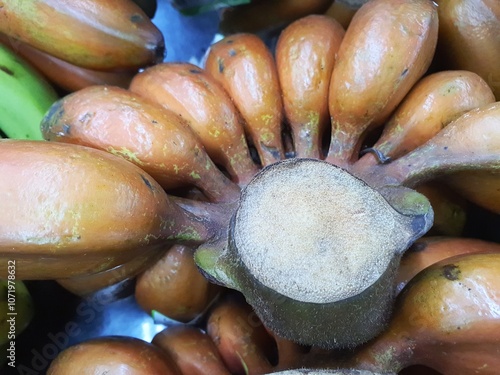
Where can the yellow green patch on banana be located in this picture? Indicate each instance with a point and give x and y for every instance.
(25, 96)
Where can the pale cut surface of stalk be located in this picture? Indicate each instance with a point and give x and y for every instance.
(314, 250)
(326, 209)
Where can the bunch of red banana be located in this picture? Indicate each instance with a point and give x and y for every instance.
(437, 328)
(203, 123)
(80, 43)
(202, 134)
(469, 30)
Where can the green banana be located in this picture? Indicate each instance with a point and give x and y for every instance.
(25, 96)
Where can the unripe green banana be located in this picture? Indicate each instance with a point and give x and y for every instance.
(25, 96)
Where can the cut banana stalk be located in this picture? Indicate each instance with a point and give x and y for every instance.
(293, 251)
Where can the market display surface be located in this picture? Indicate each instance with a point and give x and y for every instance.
(298, 201)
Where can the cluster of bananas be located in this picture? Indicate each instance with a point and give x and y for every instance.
(37, 66)
(218, 126)
(38, 62)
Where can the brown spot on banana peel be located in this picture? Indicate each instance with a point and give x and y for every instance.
(451, 272)
(417, 247)
(6, 70)
(136, 18)
(52, 117)
(147, 182)
(220, 63)
(353, 4)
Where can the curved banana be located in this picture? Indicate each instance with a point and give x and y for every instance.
(94, 34)
(25, 96)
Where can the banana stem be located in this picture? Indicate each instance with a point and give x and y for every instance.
(218, 188)
(242, 170)
(415, 168)
(200, 221)
(345, 143)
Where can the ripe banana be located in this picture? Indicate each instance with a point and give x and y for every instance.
(62, 74)
(94, 34)
(25, 96)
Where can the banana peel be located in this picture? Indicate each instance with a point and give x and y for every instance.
(94, 34)
(25, 96)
